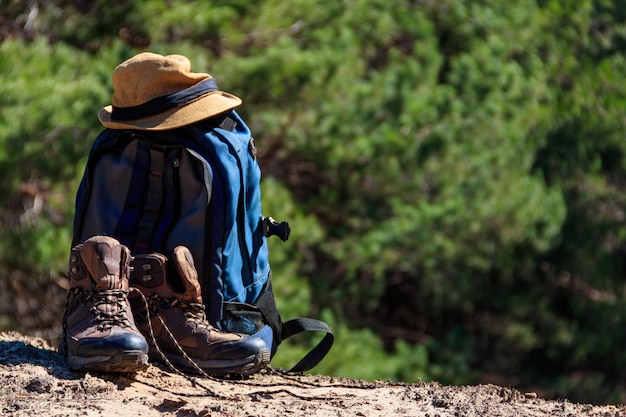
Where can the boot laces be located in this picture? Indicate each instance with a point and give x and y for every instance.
(109, 306)
(195, 312)
(104, 320)
(192, 311)
(115, 314)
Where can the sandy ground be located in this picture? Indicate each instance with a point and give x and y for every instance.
(35, 381)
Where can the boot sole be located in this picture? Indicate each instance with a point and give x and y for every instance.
(125, 361)
(244, 366)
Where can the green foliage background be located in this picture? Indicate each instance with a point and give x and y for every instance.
(453, 171)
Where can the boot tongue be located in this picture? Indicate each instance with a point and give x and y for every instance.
(188, 275)
(106, 260)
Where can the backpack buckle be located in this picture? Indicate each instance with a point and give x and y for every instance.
(271, 227)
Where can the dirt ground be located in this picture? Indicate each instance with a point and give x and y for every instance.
(35, 381)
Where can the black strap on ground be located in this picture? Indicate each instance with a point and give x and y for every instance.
(315, 356)
(282, 330)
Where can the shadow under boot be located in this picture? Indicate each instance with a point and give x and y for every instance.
(179, 323)
(99, 329)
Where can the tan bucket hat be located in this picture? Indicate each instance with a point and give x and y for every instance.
(156, 92)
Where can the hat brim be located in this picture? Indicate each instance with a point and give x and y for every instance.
(204, 107)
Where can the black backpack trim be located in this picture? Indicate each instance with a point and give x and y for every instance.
(250, 318)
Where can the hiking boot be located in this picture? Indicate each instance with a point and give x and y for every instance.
(178, 320)
(100, 332)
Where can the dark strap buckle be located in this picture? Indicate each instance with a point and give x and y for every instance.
(272, 228)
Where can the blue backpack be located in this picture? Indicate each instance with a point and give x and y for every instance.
(197, 186)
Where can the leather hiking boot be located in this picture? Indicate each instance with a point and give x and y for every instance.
(100, 331)
(179, 323)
